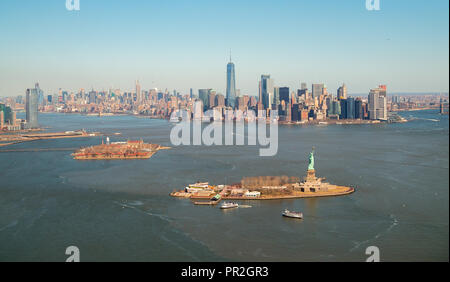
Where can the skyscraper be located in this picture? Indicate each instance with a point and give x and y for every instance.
(32, 107)
(343, 104)
(317, 90)
(284, 94)
(231, 85)
(303, 86)
(266, 91)
(211, 100)
(92, 97)
(220, 100)
(40, 94)
(276, 96)
(351, 108)
(359, 109)
(138, 92)
(203, 94)
(378, 103)
(342, 92)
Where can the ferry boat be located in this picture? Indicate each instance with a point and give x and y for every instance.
(225, 206)
(290, 214)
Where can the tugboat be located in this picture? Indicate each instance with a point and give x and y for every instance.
(290, 214)
(225, 206)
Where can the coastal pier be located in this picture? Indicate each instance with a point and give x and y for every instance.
(11, 139)
(37, 150)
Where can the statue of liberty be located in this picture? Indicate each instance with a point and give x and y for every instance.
(311, 160)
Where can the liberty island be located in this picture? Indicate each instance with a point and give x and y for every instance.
(266, 188)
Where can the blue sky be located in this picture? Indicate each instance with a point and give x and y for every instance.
(179, 44)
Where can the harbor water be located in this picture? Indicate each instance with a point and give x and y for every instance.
(122, 211)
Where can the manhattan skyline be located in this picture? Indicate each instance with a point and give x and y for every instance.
(182, 45)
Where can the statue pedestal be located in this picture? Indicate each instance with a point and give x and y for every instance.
(311, 176)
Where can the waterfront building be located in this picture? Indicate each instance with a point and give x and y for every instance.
(32, 107)
(365, 111)
(335, 109)
(14, 119)
(350, 108)
(382, 108)
(359, 109)
(231, 85)
(373, 104)
(343, 104)
(288, 112)
(378, 103)
(304, 115)
(296, 108)
(6, 114)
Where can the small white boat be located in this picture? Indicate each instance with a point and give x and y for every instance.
(229, 206)
(290, 214)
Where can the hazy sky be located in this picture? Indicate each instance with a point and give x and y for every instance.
(179, 44)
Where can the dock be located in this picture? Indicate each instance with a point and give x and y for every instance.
(11, 139)
(206, 203)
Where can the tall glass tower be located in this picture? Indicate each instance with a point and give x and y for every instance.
(32, 106)
(231, 85)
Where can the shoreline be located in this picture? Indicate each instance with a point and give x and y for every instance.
(300, 195)
(341, 191)
(309, 122)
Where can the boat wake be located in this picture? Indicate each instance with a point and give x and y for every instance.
(12, 224)
(134, 205)
(427, 119)
(391, 226)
